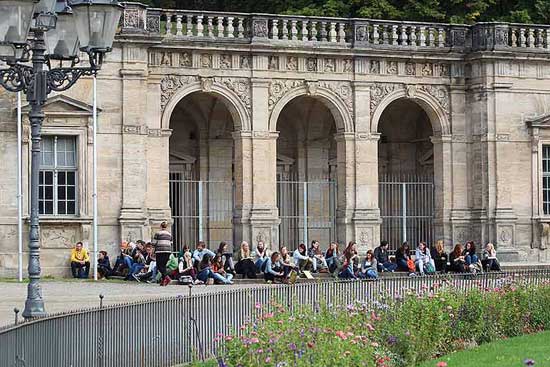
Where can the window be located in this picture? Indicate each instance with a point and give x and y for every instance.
(57, 186)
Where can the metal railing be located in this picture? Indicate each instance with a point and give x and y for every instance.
(167, 332)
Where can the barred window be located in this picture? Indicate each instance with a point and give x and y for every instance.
(58, 186)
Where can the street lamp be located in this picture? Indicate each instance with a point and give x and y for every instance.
(59, 31)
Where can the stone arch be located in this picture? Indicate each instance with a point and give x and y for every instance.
(239, 112)
(336, 105)
(436, 113)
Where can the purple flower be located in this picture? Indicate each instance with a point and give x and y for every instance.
(292, 346)
(529, 362)
(221, 363)
(392, 340)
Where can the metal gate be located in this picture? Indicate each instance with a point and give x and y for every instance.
(407, 211)
(201, 211)
(307, 211)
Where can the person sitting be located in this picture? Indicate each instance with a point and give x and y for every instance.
(218, 268)
(351, 252)
(185, 266)
(456, 259)
(199, 253)
(403, 258)
(245, 266)
(207, 275)
(104, 265)
(172, 266)
(347, 271)
(227, 258)
(473, 263)
(316, 256)
(381, 255)
(260, 255)
(123, 262)
(274, 269)
(301, 260)
(138, 261)
(489, 255)
(287, 262)
(440, 257)
(80, 261)
(148, 271)
(331, 257)
(369, 269)
(423, 259)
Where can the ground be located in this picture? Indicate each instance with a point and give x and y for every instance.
(65, 295)
(504, 353)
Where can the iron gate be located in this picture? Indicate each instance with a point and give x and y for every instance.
(307, 211)
(201, 211)
(407, 211)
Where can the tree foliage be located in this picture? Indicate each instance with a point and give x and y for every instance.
(453, 11)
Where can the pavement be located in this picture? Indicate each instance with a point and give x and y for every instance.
(67, 295)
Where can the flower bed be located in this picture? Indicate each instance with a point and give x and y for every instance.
(402, 330)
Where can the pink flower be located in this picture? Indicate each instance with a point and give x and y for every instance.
(374, 344)
(258, 305)
(441, 364)
(229, 337)
(267, 359)
(268, 315)
(370, 327)
(254, 340)
(341, 335)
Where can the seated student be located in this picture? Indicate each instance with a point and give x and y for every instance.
(490, 261)
(207, 275)
(301, 260)
(369, 269)
(331, 256)
(199, 253)
(227, 258)
(456, 259)
(172, 265)
(403, 258)
(287, 262)
(423, 259)
(148, 271)
(260, 255)
(351, 252)
(470, 256)
(185, 266)
(273, 269)
(123, 261)
(138, 260)
(439, 256)
(245, 265)
(80, 261)
(347, 271)
(382, 256)
(316, 256)
(218, 268)
(104, 265)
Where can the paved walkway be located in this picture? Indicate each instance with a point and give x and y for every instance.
(69, 295)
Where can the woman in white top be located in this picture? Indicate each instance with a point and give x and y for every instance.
(489, 258)
(423, 259)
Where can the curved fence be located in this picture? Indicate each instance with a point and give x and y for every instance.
(168, 332)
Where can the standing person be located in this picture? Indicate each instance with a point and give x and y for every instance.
(382, 256)
(245, 265)
(80, 261)
(331, 257)
(317, 257)
(490, 261)
(424, 260)
(162, 241)
(440, 257)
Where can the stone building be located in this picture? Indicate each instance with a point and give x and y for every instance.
(287, 129)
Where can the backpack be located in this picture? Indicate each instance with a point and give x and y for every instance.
(429, 268)
(185, 280)
(411, 266)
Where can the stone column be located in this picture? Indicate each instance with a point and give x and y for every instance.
(242, 204)
(442, 186)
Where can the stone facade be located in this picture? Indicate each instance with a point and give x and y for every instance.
(253, 99)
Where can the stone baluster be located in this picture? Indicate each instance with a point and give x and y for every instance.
(313, 30)
(531, 38)
(394, 36)
(200, 27)
(274, 29)
(209, 27)
(522, 39)
(323, 31)
(189, 30)
(168, 24)
(422, 36)
(284, 23)
(219, 29)
(540, 40)
(403, 35)
(547, 40)
(332, 32)
(431, 36)
(293, 30)
(385, 39)
(440, 37)
(304, 31)
(375, 34)
(240, 28)
(179, 25)
(514, 38)
(341, 32)
(230, 28)
(412, 36)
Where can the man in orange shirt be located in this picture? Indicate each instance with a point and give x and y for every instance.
(80, 261)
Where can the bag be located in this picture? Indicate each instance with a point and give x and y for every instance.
(185, 280)
(429, 268)
(411, 266)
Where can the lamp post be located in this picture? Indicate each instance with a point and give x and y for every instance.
(59, 31)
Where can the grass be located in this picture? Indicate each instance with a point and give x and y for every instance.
(503, 353)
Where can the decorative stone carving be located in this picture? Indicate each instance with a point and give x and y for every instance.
(311, 87)
(330, 65)
(410, 68)
(427, 69)
(361, 33)
(206, 61)
(505, 236)
(170, 84)
(348, 65)
(411, 91)
(153, 23)
(245, 62)
(342, 89)
(206, 84)
(311, 64)
(501, 37)
(365, 239)
(379, 91)
(133, 18)
(273, 63)
(185, 60)
(292, 63)
(241, 87)
(391, 67)
(374, 67)
(444, 70)
(225, 61)
(278, 88)
(259, 28)
(440, 93)
(166, 59)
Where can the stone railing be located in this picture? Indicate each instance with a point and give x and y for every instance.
(175, 24)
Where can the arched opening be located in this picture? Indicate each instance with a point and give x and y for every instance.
(201, 170)
(406, 173)
(306, 172)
